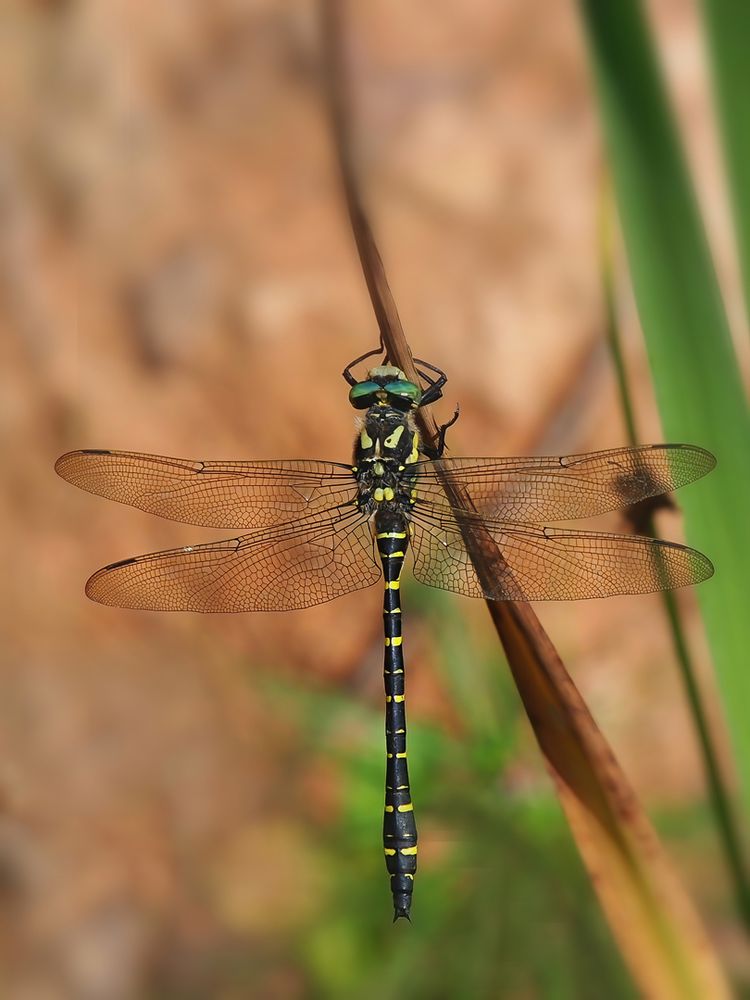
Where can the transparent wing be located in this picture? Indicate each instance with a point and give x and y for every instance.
(545, 564)
(295, 566)
(535, 490)
(211, 494)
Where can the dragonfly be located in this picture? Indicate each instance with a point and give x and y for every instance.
(316, 530)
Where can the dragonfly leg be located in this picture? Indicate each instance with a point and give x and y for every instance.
(434, 389)
(347, 372)
(439, 448)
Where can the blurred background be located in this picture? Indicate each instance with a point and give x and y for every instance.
(191, 804)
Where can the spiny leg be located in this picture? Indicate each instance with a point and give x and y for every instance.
(435, 385)
(399, 826)
(347, 372)
(439, 448)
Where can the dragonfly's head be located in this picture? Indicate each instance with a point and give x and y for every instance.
(385, 386)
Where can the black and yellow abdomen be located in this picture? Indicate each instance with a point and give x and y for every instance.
(399, 826)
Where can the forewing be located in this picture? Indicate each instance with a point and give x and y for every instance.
(296, 566)
(211, 494)
(536, 490)
(545, 564)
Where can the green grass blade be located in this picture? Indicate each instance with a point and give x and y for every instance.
(697, 381)
(728, 30)
(719, 797)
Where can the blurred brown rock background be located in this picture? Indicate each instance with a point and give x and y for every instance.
(177, 277)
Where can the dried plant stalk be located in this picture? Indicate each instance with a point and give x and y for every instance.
(654, 923)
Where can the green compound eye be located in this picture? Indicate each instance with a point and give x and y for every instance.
(363, 395)
(403, 395)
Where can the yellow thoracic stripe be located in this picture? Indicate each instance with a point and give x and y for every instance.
(365, 439)
(392, 440)
(414, 455)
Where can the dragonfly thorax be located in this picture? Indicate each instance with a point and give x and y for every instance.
(386, 448)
